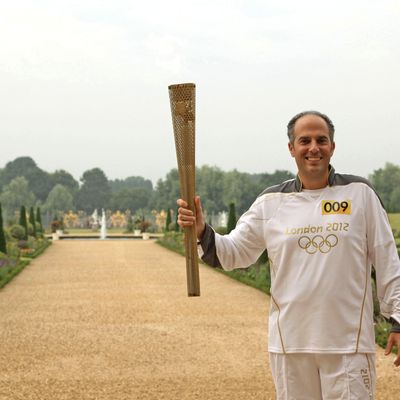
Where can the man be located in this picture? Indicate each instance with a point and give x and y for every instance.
(323, 232)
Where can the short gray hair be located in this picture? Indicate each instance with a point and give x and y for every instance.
(292, 122)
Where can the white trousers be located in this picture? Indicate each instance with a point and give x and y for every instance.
(323, 376)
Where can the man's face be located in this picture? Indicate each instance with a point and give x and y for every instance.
(312, 147)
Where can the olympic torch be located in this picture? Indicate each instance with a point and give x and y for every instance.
(182, 99)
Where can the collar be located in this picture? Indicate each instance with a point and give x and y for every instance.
(299, 184)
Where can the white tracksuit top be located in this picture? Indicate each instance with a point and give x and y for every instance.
(321, 245)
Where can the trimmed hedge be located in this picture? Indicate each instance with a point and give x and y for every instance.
(12, 266)
(8, 273)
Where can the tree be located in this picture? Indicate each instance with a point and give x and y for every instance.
(231, 218)
(61, 177)
(39, 181)
(39, 220)
(168, 220)
(210, 187)
(32, 221)
(239, 188)
(59, 199)
(23, 222)
(3, 243)
(130, 199)
(177, 227)
(95, 191)
(394, 201)
(166, 192)
(16, 193)
(265, 179)
(131, 182)
(386, 180)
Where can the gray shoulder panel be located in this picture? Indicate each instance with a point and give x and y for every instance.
(284, 187)
(345, 179)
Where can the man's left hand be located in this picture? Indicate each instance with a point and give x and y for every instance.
(393, 340)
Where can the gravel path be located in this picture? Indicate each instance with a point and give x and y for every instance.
(111, 320)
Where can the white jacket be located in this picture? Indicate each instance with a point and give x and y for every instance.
(321, 245)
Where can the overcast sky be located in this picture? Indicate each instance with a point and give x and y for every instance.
(83, 83)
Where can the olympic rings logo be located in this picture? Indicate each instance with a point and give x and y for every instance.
(318, 243)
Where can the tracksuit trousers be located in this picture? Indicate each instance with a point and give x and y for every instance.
(310, 376)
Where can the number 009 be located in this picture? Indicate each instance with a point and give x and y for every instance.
(336, 207)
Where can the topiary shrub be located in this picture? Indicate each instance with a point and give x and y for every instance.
(23, 244)
(23, 222)
(17, 232)
(172, 226)
(3, 260)
(32, 222)
(31, 231)
(39, 226)
(168, 221)
(12, 249)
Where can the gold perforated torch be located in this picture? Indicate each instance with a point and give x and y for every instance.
(182, 99)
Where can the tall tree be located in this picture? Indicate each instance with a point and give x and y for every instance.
(231, 218)
(39, 181)
(16, 193)
(39, 220)
(130, 199)
(167, 191)
(59, 199)
(168, 220)
(131, 182)
(210, 187)
(386, 182)
(32, 221)
(23, 222)
(3, 243)
(177, 227)
(239, 189)
(61, 177)
(95, 191)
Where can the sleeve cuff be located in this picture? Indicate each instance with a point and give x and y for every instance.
(395, 326)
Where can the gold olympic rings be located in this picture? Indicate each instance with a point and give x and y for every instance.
(318, 242)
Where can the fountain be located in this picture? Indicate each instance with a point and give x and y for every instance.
(94, 220)
(103, 233)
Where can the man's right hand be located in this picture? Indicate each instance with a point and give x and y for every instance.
(186, 217)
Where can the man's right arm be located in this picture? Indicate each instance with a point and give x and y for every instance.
(241, 248)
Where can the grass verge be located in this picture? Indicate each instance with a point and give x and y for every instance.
(39, 251)
(8, 273)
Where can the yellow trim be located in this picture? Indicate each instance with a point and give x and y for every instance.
(362, 309)
(371, 387)
(279, 327)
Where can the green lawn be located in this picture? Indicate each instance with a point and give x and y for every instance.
(394, 220)
(73, 231)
